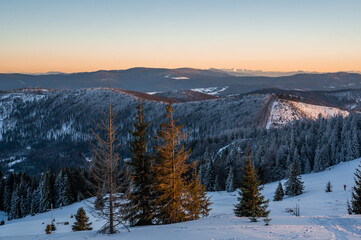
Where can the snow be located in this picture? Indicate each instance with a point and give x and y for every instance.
(285, 111)
(7, 102)
(176, 78)
(16, 161)
(323, 216)
(211, 90)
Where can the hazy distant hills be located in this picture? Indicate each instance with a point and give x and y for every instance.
(161, 79)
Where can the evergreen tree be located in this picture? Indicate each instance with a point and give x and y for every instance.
(279, 193)
(2, 186)
(63, 190)
(35, 199)
(294, 185)
(141, 199)
(210, 177)
(198, 204)
(82, 221)
(217, 184)
(15, 205)
(328, 187)
(251, 201)
(356, 193)
(230, 183)
(46, 192)
(169, 170)
(106, 172)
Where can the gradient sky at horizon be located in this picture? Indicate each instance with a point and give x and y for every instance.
(270, 35)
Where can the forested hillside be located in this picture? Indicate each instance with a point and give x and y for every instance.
(43, 129)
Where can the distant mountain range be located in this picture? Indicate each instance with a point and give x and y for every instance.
(161, 79)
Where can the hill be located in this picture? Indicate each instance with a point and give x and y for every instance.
(161, 79)
(49, 128)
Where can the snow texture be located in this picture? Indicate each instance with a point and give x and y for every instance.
(323, 216)
(285, 111)
(211, 90)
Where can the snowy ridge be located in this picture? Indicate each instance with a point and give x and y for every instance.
(323, 216)
(211, 90)
(285, 111)
(8, 103)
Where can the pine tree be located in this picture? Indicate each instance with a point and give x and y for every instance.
(349, 208)
(328, 187)
(170, 167)
(210, 176)
(198, 204)
(141, 199)
(46, 192)
(251, 201)
(2, 186)
(34, 204)
(294, 185)
(48, 229)
(279, 193)
(106, 171)
(356, 193)
(63, 190)
(217, 185)
(15, 205)
(82, 221)
(230, 183)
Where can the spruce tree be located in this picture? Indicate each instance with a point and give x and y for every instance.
(169, 169)
(328, 187)
(294, 185)
(230, 182)
(106, 171)
(198, 204)
(279, 193)
(82, 221)
(15, 205)
(141, 200)
(251, 201)
(2, 186)
(46, 192)
(210, 176)
(356, 193)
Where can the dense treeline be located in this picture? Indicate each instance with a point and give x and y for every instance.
(21, 194)
(62, 119)
(313, 145)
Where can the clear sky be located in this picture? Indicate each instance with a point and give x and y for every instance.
(88, 35)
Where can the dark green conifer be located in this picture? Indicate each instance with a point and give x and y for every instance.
(328, 187)
(82, 221)
(251, 201)
(356, 193)
(294, 185)
(169, 171)
(279, 193)
(141, 202)
(198, 204)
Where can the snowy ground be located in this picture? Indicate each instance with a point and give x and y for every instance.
(285, 111)
(323, 216)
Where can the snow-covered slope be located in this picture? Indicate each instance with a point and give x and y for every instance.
(285, 111)
(323, 216)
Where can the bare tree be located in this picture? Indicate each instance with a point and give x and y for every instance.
(108, 180)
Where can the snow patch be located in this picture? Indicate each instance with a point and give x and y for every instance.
(285, 111)
(211, 90)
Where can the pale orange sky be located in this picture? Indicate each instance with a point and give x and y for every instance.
(41, 36)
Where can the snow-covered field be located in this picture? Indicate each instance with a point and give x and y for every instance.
(285, 111)
(211, 90)
(323, 216)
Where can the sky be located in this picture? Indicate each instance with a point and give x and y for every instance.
(270, 35)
